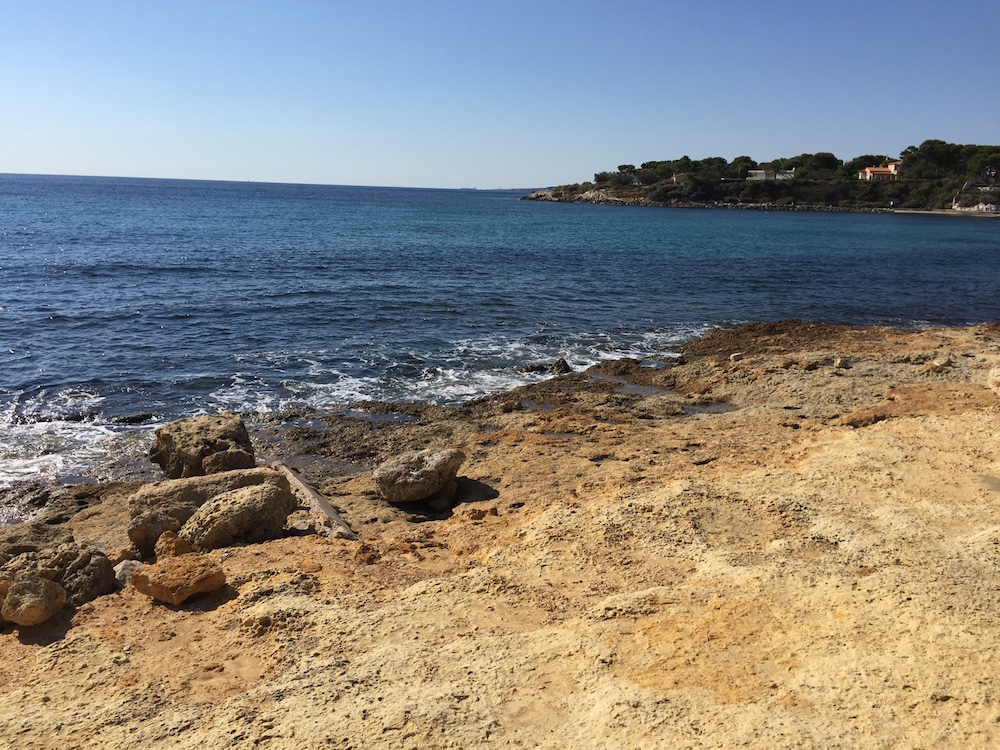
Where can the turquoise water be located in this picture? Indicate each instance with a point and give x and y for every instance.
(126, 297)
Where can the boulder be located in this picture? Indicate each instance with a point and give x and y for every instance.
(32, 599)
(42, 551)
(418, 475)
(177, 578)
(166, 506)
(249, 514)
(196, 446)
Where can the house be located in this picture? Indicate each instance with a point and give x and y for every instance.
(881, 174)
(770, 174)
(680, 179)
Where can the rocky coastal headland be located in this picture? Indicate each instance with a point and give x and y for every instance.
(786, 536)
(620, 197)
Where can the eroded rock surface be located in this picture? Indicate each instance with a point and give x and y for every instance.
(196, 446)
(418, 475)
(166, 506)
(176, 579)
(31, 599)
(247, 515)
(40, 551)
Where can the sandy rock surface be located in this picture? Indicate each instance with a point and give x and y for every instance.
(795, 547)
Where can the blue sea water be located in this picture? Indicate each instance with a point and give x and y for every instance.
(126, 296)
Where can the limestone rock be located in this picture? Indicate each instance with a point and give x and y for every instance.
(85, 574)
(559, 367)
(121, 554)
(195, 446)
(177, 578)
(166, 506)
(30, 537)
(417, 475)
(124, 571)
(249, 514)
(51, 553)
(171, 545)
(32, 599)
(993, 380)
(939, 365)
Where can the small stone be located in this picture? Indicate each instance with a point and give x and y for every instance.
(841, 363)
(993, 380)
(439, 504)
(938, 365)
(128, 552)
(124, 571)
(736, 356)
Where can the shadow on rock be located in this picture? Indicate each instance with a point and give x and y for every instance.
(467, 491)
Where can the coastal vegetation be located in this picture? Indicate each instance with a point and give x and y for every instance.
(933, 175)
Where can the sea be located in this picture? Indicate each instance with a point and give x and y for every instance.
(126, 303)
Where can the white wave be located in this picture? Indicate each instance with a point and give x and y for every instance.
(47, 450)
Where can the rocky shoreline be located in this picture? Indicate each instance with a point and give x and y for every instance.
(787, 536)
(604, 198)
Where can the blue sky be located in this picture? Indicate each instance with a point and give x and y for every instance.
(481, 94)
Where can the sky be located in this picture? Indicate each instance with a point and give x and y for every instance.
(483, 94)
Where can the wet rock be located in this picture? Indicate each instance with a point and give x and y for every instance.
(166, 506)
(417, 475)
(32, 599)
(249, 514)
(196, 446)
(176, 579)
(559, 367)
(171, 545)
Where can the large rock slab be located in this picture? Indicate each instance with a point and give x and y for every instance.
(417, 475)
(195, 446)
(166, 506)
(247, 515)
(176, 579)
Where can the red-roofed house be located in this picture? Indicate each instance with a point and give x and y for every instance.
(881, 173)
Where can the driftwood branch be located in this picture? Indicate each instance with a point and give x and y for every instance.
(319, 504)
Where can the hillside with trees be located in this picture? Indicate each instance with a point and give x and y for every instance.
(933, 175)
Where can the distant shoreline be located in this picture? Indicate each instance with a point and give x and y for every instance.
(603, 198)
(947, 212)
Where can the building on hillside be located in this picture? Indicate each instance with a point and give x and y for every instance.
(770, 174)
(680, 179)
(881, 174)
